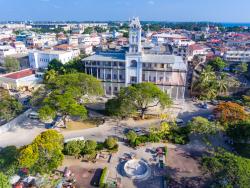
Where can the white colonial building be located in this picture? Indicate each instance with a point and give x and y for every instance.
(41, 59)
(117, 70)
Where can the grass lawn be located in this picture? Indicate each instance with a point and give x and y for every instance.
(77, 125)
(243, 149)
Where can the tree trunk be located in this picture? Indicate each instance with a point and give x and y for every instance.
(143, 110)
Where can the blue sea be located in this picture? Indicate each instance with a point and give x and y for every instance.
(235, 24)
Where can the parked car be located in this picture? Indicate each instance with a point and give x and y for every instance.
(203, 105)
(33, 115)
(214, 102)
(179, 121)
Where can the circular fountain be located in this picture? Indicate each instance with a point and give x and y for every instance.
(137, 169)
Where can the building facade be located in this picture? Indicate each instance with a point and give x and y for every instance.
(237, 56)
(41, 59)
(117, 70)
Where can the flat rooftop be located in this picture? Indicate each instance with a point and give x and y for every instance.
(106, 57)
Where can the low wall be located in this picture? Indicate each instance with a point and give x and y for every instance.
(12, 124)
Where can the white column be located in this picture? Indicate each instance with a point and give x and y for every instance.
(111, 73)
(164, 77)
(104, 75)
(148, 75)
(118, 75)
(156, 77)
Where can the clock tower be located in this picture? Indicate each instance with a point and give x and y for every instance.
(135, 36)
(134, 55)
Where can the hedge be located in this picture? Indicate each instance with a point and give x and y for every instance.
(102, 178)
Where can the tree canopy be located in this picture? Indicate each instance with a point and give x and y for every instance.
(242, 67)
(56, 65)
(217, 64)
(11, 64)
(211, 84)
(110, 142)
(8, 160)
(4, 181)
(201, 125)
(9, 106)
(68, 93)
(44, 154)
(229, 112)
(74, 148)
(139, 97)
(228, 170)
(240, 132)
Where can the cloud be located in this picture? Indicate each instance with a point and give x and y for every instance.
(151, 2)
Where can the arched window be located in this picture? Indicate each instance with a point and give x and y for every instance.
(133, 63)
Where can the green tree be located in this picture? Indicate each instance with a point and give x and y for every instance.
(118, 107)
(206, 85)
(74, 147)
(88, 30)
(28, 156)
(4, 181)
(8, 160)
(201, 125)
(46, 113)
(11, 64)
(38, 96)
(89, 147)
(217, 64)
(110, 142)
(242, 67)
(56, 65)
(143, 96)
(9, 106)
(228, 170)
(50, 75)
(69, 92)
(131, 136)
(240, 132)
(44, 154)
(63, 103)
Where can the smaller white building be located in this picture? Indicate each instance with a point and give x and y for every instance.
(41, 59)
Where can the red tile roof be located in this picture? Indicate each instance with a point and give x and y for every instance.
(20, 74)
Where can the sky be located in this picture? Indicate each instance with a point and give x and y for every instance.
(120, 10)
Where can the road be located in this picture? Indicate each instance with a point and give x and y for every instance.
(24, 133)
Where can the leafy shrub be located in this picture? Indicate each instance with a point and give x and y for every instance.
(74, 148)
(110, 142)
(90, 147)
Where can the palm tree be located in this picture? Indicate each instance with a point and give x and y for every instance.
(207, 76)
(222, 85)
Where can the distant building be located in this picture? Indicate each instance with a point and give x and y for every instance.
(117, 70)
(5, 51)
(237, 56)
(41, 59)
(22, 80)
